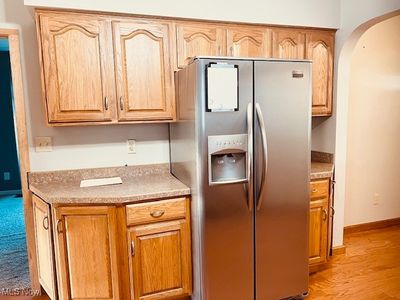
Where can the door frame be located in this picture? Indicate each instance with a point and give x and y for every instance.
(23, 148)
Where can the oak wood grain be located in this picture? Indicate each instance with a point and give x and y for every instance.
(248, 42)
(288, 43)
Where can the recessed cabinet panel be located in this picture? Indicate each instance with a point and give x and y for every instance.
(75, 68)
(199, 39)
(86, 252)
(248, 42)
(144, 73)
(44, 246)
(320, 50)
(288, 44)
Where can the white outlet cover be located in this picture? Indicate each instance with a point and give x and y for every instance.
(43, 144)
(131, 144)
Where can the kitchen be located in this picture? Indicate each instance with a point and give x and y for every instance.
(104, 141)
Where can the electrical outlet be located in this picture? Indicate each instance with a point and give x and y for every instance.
(377, 199)
(43, 144)
(131, 146)
(6, 176)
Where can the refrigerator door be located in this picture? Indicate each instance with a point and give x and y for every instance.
(227, 245)
(282, 168)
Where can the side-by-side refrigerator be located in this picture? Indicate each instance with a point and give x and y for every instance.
(242, 144)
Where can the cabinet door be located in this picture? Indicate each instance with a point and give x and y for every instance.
(199, 39)
(78, 76)
(161, 261)
(248, 42)
(144, 71)
(288, 44)
(44, 246)
(320, 51)
(86, 252)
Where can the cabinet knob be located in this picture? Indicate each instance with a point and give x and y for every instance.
(157, 213)
(314, 190)
(106, 103)
(121, 103)
(45, 222)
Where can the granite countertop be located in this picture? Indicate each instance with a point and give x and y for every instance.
(321, 170)
(139, 183)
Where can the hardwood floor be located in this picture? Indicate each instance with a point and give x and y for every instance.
(369, 270)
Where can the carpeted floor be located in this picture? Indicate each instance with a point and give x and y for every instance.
(14, 271)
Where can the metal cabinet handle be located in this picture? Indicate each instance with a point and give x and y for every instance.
(249, 156)
(219, 50)
(59, 226)
(157, 213)
(324, 214)
(332, 209)
(231, 50)
(45, 222)
(106, 103)
(133, 248)
(121, 103)
(261, 124)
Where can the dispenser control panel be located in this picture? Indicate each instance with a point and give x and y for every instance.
(227, 159)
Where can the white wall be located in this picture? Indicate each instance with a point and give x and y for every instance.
(356, 17)
(305, 12)
(373, 161)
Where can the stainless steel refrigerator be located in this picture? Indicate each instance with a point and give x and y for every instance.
(242, 144)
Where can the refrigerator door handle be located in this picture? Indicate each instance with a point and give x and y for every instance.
(249, 186)
(264, 143)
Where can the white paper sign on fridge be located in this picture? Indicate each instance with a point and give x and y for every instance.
(222, 88)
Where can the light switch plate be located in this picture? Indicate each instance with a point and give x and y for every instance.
(131, 146)
(43, 144)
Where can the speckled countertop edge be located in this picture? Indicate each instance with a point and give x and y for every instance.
(321, 170)
(140, 183)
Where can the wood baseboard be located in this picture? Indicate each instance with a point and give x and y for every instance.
(338, 250)
(371, 225)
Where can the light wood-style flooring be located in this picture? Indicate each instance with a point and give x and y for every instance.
(370, 269)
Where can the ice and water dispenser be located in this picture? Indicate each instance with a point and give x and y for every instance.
(227, 158)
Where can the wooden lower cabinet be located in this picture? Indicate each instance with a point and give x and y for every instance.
(160, 262)
(319, 226)
(86, 252)
(44, 246)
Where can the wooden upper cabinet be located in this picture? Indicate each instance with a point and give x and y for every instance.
(44, 246)
(320, 50)
(288, 44)
(75, 70)
(86, 252)
(199, 39)
(248, 42)
(142, 53)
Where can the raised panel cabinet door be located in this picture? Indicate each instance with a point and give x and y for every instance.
(44, 246)
(144, 71)
(76, 69)
(248, 42)
(160, 260)
(86, 252)
(288, 44)
(199, 39)
(320, 51)
(318, 231)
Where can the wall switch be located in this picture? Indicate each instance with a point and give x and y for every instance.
(6, 176)
(43, 144)
(377, 199)
(131, 146)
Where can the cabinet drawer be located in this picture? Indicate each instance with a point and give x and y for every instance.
(319, 189)
(156, 211)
